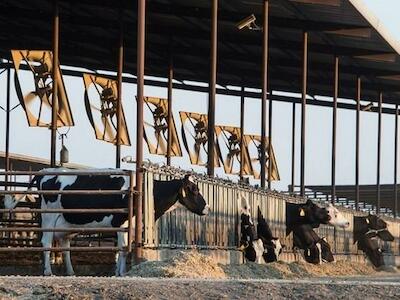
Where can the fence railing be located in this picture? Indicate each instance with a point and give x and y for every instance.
(221, 228)
(129, 191)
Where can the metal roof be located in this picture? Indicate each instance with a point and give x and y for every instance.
(89, 38)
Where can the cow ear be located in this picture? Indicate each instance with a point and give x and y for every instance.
(302, 213)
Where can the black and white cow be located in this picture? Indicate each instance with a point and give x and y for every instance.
(272, 245)
(316, 250)
(258, 245)
(302, 219)
(168, 195)
(366, 232)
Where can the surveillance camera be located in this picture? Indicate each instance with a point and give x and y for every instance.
(248, 22)
(128, 159)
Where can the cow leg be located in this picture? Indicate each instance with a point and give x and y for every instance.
(66, 242)
(121, 260)
(47, 241)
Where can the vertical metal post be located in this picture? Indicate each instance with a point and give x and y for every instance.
(212, 87)
(270, 141)
(263, 158)
(396, 144)
(358, 143)
(139, 126)
(334, 122)
(303, 113)
(8, 112)
(130, 209)
(378, 159)
(170, 87)
(293, 146)
(119, 82)
(241, 133)
(54, 104)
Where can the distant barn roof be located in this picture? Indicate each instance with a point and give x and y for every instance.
(89, 38)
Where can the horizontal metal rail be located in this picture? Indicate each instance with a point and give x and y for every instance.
(71, 230)
(67, 192)
(64, 210)
(56, 249)
(67, 173)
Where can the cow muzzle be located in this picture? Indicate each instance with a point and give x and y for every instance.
(206, 210)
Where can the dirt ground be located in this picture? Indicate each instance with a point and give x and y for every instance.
(176, 288)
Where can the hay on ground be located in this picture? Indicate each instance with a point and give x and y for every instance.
(192, 264)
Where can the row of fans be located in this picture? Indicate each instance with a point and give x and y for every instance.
(101, 98)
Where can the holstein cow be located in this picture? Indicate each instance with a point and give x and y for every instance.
(258, 246)
(366, 232)
(168, 195)
(302, 219)
(316, 249)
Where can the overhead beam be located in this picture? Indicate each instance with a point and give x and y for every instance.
(336, 3)
(353, 32)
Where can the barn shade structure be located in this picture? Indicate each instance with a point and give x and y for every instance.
(333, 48)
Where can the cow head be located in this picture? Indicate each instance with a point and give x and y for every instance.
(336, 217)
(313, 214)
(378, 227)
(190, 197)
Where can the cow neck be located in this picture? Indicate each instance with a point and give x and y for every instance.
(165, 195)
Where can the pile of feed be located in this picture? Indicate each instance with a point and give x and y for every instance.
(192, 264)
(184, 265)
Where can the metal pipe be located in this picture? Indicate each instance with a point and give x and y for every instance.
(56, 249)
(139, 127)
(119, 82)
(334, 125)
(170, 87)
(378, 160)
(130, 210)
(8, 112)
(54, 104)
(358, 143)
(303, 113)
(264, 92)
(242, 98)
(212, 88)
(270, 143)
(396, 143)
(66, 173)
(65, 210)
(69, 229)
(293, 146)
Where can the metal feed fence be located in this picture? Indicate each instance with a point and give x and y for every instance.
(128, 210)
(221, 228)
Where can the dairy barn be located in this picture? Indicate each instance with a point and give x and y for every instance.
(245, 141)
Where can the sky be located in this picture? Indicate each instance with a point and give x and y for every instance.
(86, 150)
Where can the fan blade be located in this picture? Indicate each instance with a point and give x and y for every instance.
(107, 129)
(92, 106)
(30, 97)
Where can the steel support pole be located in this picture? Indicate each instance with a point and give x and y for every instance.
(378, 159)
(8, 112)
(119, 81)
(170, 123)
(358, 143)
(54, 104)
(263, 158)
(139, 127)
(303, 113)
(212, 88)
(293, 147)
(334, 125)
(396, 149)
(241, 133)
(270, 142)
